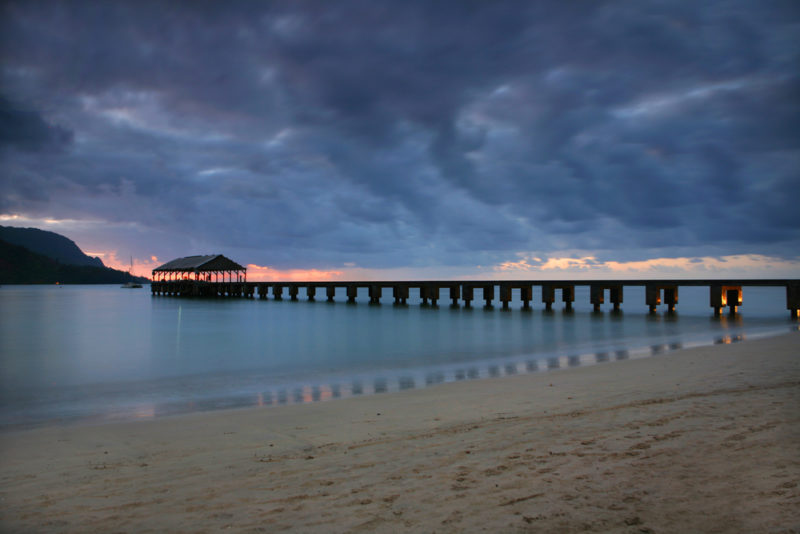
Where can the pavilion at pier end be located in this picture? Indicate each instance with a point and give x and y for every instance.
(211, 268)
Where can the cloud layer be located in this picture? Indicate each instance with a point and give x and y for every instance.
(311, 135)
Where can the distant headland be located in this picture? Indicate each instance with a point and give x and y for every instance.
(33, 256)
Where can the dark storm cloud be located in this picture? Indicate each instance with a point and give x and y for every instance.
(27, 130)
(410, 133)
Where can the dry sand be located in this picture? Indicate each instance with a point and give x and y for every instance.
(700, 440)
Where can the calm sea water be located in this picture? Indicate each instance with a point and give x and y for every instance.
(94, 353)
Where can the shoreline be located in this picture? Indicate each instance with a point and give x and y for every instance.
(392, 381)
(703, 440)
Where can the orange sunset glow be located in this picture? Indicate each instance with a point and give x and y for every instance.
(590, 266)
(260, 273)
(141, 266)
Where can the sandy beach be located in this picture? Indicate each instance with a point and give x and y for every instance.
(699, 440)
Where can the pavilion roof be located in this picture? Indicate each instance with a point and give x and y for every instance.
(213, 262)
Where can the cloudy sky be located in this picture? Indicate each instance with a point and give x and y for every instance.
(409, 139)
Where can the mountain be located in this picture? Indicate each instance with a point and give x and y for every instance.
(49, 244)
(20, 264)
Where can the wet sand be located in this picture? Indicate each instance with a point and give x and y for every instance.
(699, 440)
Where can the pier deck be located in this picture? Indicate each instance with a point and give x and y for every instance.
(722, 293)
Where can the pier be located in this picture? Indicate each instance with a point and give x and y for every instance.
(722, 293)
(218, 276)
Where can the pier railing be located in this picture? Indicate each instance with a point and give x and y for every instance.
(722, 293)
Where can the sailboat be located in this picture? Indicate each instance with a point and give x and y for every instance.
(131, 285)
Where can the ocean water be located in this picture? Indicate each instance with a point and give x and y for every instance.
(97, 353)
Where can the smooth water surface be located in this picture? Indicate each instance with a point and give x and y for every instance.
(70, 353)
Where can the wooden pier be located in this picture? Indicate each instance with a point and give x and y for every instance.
(722, 293)
(217, 276)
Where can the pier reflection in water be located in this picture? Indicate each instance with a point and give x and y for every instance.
(402, 382)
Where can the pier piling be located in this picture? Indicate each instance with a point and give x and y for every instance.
(596, 296)
(433, 293)
(400, 294)
(526, 296)
(793, 300)
(468, 294)
(375, 293)
(455, 294)
(505, 295)
(724, 295)
(653, 296)
(549, 295)
(671, 298)
(488, 295)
